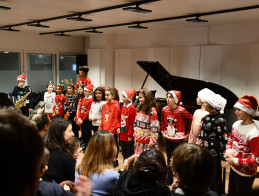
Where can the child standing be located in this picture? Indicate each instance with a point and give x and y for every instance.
(58, 109)
(146, 122)
(70, 106)
(243, 147)
(173, 119)
(95, 113)
(199, 114)
(83, 115)
(214, 136)
(83, 79)
(111, 117)
(49, 99)
(128, 114)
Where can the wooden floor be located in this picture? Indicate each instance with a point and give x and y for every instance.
(162, 149)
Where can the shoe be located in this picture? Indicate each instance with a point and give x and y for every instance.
(115, 163)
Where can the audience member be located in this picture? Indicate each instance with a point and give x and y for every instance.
(42, 121)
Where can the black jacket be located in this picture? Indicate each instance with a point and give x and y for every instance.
(61, 166)
(126, 186)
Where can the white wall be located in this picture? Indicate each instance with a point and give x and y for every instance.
(227, 55)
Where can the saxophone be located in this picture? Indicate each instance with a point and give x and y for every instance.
(22, 102)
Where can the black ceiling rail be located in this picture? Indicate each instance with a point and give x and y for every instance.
(161, 19)
(81, 13)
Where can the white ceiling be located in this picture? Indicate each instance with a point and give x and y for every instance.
(27, 10)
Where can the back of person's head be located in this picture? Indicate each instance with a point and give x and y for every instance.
(55, 134)
(150, 167)
(195, 168)
(42, 121)
(45, 159)
(21, 149)
(100, 153)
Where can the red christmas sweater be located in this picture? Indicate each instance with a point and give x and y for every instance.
(173, 123)
(111, 117)
(128, 114)
(59, 106)
(244, 144)
(84, 108)
(85, 81)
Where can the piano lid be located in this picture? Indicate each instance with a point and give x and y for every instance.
(188, 87)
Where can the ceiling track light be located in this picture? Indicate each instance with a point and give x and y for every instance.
(80, 18)
(4, 8)
(38, 25)
(62, 34)
(137, 26)
(197, 20)
(93, 31)
(10, 29)
(136, 9)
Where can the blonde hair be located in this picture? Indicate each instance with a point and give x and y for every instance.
(100, 153)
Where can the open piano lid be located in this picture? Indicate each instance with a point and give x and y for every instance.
(188, 87)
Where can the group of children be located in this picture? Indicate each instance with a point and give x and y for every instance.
(100, 109)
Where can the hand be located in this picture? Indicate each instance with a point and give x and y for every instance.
(84, 186)
(230, 160)
(80, 121)
(93, 119)
(30, 110)
(224, 164)
(130, 139)
(70, 184)
(151, 144)
(175, 185)
(68, 114)
(118, 130)
(40, 111)
(66, 188)
(229, 153)
(199, 142)
(186, 137)
(125, 165)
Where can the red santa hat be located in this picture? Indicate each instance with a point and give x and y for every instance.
(89, 87)
(177, 95)
(248, 104)
(129, 94)
(21, 77)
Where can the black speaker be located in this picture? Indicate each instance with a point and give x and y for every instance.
(80, 60)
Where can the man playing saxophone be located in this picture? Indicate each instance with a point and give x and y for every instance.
(23, 96)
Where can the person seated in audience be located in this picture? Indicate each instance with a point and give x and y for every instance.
(147, 177)
(21, 149)
(51, 188)
(75, 148)
(43, 122)
(97, 163)
(6, 103)
(61, 163)
(194, 168)
(22, 178)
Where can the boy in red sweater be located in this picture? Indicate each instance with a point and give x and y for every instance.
(242, 151)
(172, 127)
(128, 114)
(83, 114)
(58, 109)
(83, 79)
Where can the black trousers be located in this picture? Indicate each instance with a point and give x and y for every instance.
(217, 184)
(86, 127)
(170, 146)
(127, 149)
(75, 127)
(117, 144)
(239, 185)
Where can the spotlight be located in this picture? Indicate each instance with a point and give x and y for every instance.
(138, 26)
(4, 8)
(136, 9)
(62, 34)
(38, 25)
(197, 19)
(10, 29)
(79, 18)
(93, 31)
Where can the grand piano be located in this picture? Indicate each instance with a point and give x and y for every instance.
(189, 88)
